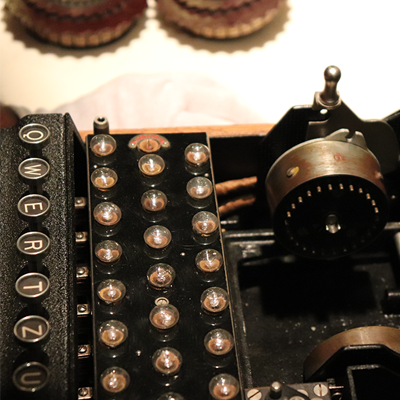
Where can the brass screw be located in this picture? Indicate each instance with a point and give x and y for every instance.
(291, 172)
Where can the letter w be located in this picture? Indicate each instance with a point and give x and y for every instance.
(33, 170)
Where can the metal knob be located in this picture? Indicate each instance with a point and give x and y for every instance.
(330, 96)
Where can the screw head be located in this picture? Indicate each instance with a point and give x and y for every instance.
(254, 394)
(321, 390)
(292, 171)
(83, 392)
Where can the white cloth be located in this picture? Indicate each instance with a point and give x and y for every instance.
(158, 100)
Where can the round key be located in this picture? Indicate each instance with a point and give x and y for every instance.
(107, 214)
(199, 188)
(223, 387)
(111, 291)
(209, 260)
(34, 171)
(31, 329)
(151, 165)
(104, 178)
(112, 333)
(114, 379)
(218, 342)
(167, 361)
(34, 136)
(103, 145)
(33, 287)
(197, 154)
(149, 145)
(108, 251)
(157, 236)
(31, 377)
(161, 276)
(164, 316)
(205, 223)
(214, 300)
(33, 208)
(154, 201)
(33, 245)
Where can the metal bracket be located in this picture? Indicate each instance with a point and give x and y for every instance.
(81, 237)
(344, 135)
(80, 203)
(82, 273)
(83, 310)
(379, 135)
(85, 393)
(84, 351)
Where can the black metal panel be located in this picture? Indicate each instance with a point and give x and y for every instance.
(291, 304)
(135, 356)
(59, 353)
(236, 156)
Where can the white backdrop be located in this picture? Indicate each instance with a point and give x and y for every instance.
(270, 71)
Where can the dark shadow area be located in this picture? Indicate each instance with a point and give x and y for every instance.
(309, 289)
(245, 43)
(291, 304)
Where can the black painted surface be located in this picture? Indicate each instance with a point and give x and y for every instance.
(291, 304)
(135, 355)
(59, 352)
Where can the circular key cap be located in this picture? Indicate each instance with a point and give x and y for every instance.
(31, 377)
(33, 246)
(34, 136)
(33, 208)
(34, 171)
(32, 329)
(33, 287)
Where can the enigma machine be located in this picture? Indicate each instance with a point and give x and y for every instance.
(122, 277)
